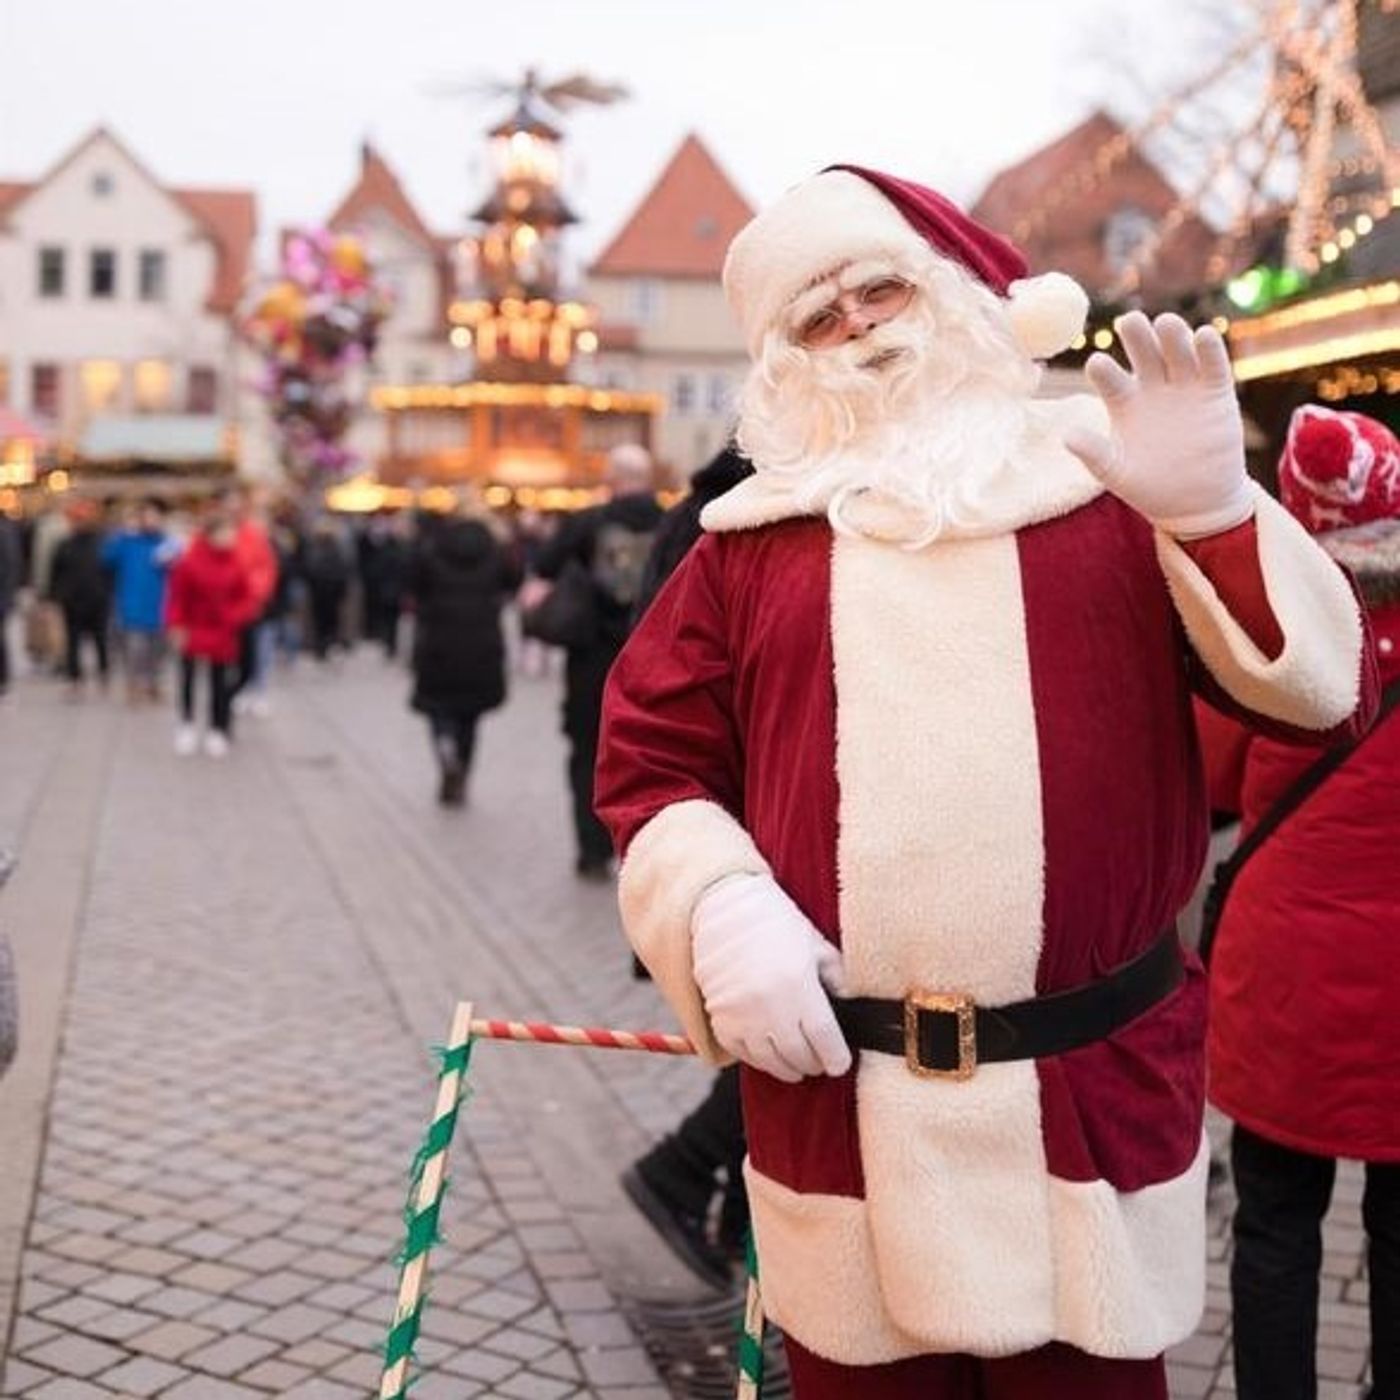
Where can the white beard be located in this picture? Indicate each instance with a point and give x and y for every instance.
(926, 434)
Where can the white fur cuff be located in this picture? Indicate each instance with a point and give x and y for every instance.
(672, 861)
(1313, 683)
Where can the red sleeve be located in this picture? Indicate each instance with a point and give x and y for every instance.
(1224, 753)
(175, 602)
(1230, 560)
(669, 733)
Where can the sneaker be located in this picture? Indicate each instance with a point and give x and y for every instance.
(186, 740)
(452, 790)
(215, 744)
(682, 1230)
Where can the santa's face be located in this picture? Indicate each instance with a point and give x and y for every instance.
(847, 306)
(898, 377)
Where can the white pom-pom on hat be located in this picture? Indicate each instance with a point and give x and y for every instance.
(1047, 313)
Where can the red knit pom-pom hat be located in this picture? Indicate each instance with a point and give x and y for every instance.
(848, 213)
(1339, 469)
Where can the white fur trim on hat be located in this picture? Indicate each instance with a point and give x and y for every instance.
(829, 220)
(1047, 313)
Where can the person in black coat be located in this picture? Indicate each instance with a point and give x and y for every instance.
(11, 576)
(81, 585)
(459, 578)
(383, 560)
(610, 543)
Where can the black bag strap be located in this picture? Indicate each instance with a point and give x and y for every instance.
(1302, 787)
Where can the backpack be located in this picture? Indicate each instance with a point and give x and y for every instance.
(619, 561)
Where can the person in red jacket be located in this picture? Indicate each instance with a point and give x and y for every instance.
(1304, 1043)
(209, 603)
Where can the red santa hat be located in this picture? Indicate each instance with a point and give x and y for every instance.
(848, 213)
(1339, 469)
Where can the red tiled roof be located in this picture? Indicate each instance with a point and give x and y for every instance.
(1073, 237)
(11, 192)
(230, 217)
(379, 188)
(683, 226)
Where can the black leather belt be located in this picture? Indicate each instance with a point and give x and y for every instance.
(946, 1035)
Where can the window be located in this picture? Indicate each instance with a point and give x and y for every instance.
(646, 302)
(718, 401)
(152, 386)
(51, 270)
(102, 385)
(683, 396)
(1126, 231)
(102, 273)
(44, 397)
(151, 275)
(103, 184)
(202, 390)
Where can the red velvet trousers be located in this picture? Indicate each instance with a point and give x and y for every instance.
(1054, 1372)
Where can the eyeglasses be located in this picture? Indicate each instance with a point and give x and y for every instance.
(881, 299)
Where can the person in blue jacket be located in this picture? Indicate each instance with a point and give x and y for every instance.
(138, 557)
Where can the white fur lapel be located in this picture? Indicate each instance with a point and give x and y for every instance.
(1046, 481)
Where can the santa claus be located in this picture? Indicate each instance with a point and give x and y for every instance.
(903, 769)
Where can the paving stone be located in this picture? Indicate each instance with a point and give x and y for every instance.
(172, 1340)
(74, 1355)
(66, 1388)
(276, 1376)
(230, 1355)
(119, 1324)
(295, 1323)
(16, 1376)
(319, 1354)
(142, 1375)
(319, 1388)
(207, 1388)
(617, 1366)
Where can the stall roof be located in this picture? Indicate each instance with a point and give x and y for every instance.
(156, 438)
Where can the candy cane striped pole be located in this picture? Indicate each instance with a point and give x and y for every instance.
(423, 1210)
(430, 1175)
(537, 1032)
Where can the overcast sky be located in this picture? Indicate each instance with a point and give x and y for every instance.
(277, 94)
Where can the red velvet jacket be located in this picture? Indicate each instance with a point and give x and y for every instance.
(974, 768)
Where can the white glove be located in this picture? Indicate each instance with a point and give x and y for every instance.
(760, 966)
(1177, 451)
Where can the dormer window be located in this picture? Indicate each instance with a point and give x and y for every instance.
(1127, 231)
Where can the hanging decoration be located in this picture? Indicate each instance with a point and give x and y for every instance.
(1311, 155)
(315, 329)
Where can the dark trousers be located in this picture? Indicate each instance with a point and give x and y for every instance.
(586, 674)
(325, 621)
(710, 1139)
(78, 625)
(1283, 1197)
(4, 649)
(1054, 1372)
(221, 679)
(454, 738)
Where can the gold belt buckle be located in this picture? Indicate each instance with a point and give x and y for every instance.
(965, 1009)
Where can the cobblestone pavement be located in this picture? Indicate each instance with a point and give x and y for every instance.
(262, 952)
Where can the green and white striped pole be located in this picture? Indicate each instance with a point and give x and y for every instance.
(751, 1338)
(425, 1201)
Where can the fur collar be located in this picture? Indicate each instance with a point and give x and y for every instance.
(1045, 480)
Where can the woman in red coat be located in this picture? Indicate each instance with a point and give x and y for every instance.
(209, 603)
(1305, 978)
